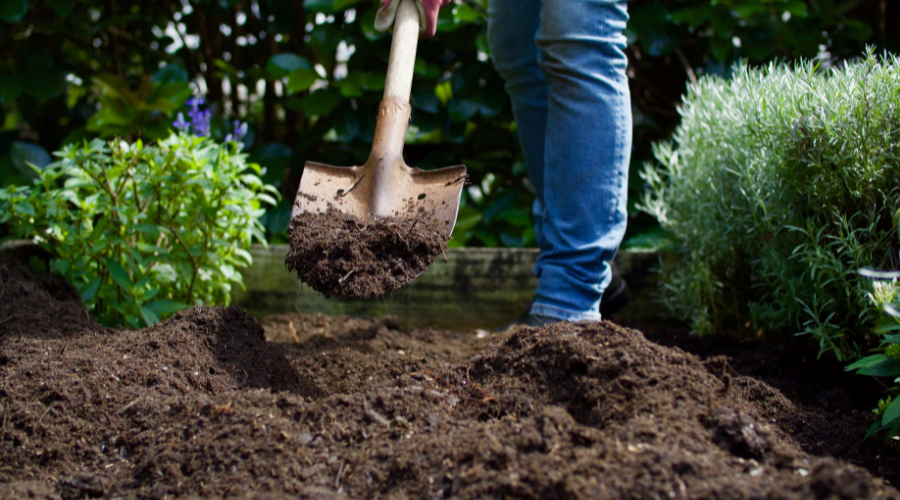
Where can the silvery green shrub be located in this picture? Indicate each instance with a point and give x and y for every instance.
(778, 185)
(144, 230)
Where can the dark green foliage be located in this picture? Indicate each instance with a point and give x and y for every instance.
(782, 183)
(62, 58)
(143, 231)
(887, 362)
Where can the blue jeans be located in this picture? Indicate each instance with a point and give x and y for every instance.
(564, 67)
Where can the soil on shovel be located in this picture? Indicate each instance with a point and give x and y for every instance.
(210, 404)
(337, 255)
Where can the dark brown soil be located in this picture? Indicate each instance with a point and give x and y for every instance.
(203, 406)
(337, 255)
(823, 407)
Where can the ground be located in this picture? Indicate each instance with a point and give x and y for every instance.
(211, 404)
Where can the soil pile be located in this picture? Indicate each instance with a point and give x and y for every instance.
(201, 405)
(337, 255)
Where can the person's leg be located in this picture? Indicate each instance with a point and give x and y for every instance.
(512, 27)
(586, 153)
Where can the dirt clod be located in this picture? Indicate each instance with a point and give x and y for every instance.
(337, 255)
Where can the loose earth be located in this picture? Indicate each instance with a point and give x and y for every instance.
(338, 255)
(210, 404)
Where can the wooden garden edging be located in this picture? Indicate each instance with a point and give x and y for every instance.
(475, 288)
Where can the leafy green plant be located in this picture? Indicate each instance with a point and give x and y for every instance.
(144, 230)
(779, 185)
(886, 361)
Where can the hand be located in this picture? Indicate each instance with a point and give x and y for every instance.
(428, 13)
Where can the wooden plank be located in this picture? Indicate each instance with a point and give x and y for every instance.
(475, 288)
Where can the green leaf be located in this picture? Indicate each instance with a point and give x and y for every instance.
(150, 318)
(885, 325)
(281, 65)
(89, 289)
(161, 307)
(300, 80)
(170, 73)
(886, 368)
(795, 7)
(119, 274)
(461, 110)
(61, 266)
(340, 5)
(148, 229)
(867, 362)
(652, 240)
(324, 6)
(321, 102)
(892, 412)
(24, 207)
(353, 84)
(144, 247)
(875, 429)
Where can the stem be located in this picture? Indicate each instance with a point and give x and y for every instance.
(193, 262)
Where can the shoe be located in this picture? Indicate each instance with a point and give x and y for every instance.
(614, 299)
(616, 295)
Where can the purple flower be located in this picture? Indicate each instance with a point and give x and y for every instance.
(180, 124)
(195, 102)
(200, 120)
(240, 131)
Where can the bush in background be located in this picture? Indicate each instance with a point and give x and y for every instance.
(778, 186)
(143, 231)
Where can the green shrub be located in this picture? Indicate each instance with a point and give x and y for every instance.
(781, 183)
(144, 231)
(886, 363)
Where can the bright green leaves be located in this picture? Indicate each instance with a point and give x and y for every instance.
(119, 275)
(151, 312)
(300, 80)
(144, 231)
(282, 65)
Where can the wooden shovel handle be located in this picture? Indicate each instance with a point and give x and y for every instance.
(398, 83)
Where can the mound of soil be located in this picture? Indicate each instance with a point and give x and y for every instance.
(202, 405)
(337, 255)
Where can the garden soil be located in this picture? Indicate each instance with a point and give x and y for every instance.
(210, 404)
(337, 255)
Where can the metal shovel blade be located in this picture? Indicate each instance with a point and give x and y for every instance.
(384, 186)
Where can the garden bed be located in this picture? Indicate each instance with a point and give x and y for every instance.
(211, 404)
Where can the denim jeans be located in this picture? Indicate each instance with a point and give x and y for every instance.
(564, 67)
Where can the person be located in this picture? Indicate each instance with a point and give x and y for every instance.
(564, 65)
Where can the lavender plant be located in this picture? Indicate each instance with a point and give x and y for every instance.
(778, 185)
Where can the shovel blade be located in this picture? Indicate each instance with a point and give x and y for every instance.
(429, 195)
(325, 186)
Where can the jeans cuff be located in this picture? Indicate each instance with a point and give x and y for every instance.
(546, 311)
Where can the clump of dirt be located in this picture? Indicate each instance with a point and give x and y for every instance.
(337, 255)
(202, 406)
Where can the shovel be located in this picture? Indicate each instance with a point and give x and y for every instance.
(385, 186)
